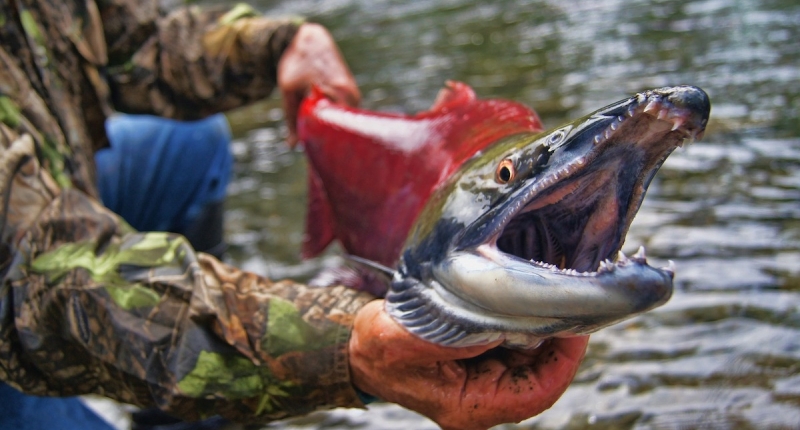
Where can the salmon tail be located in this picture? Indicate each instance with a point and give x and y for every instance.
(319, 219)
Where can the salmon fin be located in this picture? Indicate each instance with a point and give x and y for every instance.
(356, 277)
(319, 218)
(454, 93)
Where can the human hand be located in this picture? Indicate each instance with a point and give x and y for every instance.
(460, 388)
(313, 58)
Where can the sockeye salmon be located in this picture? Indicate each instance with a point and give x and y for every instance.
(491, 228)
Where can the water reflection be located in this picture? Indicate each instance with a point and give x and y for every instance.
(725, 351)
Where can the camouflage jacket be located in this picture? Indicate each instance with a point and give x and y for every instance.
(88, 305)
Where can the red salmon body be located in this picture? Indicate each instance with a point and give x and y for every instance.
(370, 173)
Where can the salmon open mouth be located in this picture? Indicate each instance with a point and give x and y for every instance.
(581, 220)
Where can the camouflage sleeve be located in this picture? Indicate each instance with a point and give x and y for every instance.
(192, 62)
(89, 306)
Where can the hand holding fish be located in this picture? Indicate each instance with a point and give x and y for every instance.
(473, 387)
(313, 58)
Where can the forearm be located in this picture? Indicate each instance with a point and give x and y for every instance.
(89, 306)
(195, 63)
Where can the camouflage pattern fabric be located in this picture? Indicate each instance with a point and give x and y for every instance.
(87, 304)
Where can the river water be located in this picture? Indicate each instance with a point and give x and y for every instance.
(725, 351)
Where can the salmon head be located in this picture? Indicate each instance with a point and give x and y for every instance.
(492, 228)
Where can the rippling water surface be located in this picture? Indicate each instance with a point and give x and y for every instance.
(725, 351)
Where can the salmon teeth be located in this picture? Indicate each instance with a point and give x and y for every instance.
(670, 268)
(606, 266)
(640, 255)
(653, 105)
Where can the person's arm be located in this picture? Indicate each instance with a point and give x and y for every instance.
(193, 62)
(89, 306)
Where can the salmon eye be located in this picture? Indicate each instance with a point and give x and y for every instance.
(505, 172)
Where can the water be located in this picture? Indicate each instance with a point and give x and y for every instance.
(725, 351)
